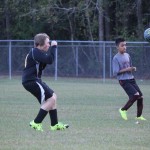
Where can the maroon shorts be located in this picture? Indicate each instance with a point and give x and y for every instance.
(130, 86)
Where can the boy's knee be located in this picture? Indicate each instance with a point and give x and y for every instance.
(54, 97)
(142, 97)
(134, 98)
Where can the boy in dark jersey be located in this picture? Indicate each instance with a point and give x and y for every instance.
(35, 62)
(122, 68)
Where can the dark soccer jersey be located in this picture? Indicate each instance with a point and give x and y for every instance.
(35, 62)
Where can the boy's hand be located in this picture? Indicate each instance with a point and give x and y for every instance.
(134, 68)
(53, 43)
(131, 69)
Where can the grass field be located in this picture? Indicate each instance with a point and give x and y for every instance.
(87, 105)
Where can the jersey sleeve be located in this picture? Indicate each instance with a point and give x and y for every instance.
(130, 61)
(116, 67)
(45, 57)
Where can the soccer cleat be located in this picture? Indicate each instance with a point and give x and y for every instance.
(59, 126)
(36, 126)
(123, 114)
(140, 118)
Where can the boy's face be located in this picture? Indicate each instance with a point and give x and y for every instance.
(122, 47)
(46, 45)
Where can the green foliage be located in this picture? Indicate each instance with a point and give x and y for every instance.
(70, 19)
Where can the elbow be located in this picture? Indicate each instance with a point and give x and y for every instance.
(115, 73)
(50, 60)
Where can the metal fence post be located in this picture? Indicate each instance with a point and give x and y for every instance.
(77, 61)
(104, 69)
(110, 55)
(9, 64)
(56, 64)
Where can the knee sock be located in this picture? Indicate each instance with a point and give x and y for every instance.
(139, 106)
(53, 117)
(41, 115)
(130, 102)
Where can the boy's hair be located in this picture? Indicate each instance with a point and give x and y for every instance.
(40, 38)
(119, 40)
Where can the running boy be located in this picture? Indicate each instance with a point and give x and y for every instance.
(35, 62)
(122, 68)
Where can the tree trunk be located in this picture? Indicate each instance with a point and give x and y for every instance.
(89, 29)
(7, 19)
(100, 20)
(107, 24)
(71, 28)
(139, 19)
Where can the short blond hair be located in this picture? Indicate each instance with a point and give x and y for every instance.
(40, 38)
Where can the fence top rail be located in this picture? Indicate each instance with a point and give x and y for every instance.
(16, 40)
(67, 41)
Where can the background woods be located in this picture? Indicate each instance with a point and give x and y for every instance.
(74, 19)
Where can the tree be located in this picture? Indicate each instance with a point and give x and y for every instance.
(100, 20)
(74, 19)
(139, 19)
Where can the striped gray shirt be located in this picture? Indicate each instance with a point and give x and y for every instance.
(122, 61)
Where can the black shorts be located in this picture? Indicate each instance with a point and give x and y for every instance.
(130, 87)
(39, 89)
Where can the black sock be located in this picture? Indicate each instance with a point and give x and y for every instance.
(53, 117)
(130, 102)
(41, 115)
(139, 107)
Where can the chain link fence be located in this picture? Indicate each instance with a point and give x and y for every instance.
(88, 59)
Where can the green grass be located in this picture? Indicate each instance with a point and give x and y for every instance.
(87, 105)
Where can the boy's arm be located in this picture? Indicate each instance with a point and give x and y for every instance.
(116, 68)
(46, 58)
(129, 69)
